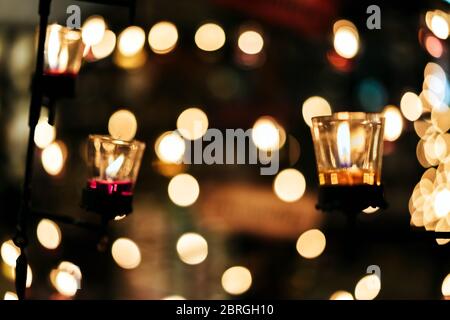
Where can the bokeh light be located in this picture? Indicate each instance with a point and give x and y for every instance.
(346, 39)
(192, 248)
(53, 158)
(174, 297)
(9, 252)
(210, 37)
(163, 37)
(442, 203)
(439, 25)
(48, 234)
(66, 284)
(311, 244)
(370, 210)
(183, 190)
(93, 30)
(445, 288)
(106, 46)
(236, 280)
(44, 134)
(393, 125)
(368, 287)
(267, 134)
(126, 253)
(66, 278)
(122, 125)
(170, 147)
(313, 107)
(289, 185)
(341, 295)
(250, 42)
(131, 41)
(192, 123)
(411, 106)
(434, 46)
(10, 296)
(372, 95)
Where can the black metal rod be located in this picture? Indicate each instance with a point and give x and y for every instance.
(35, 107)
(51, 106)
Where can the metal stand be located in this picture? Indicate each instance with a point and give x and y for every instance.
(40, 86)
(351, 200)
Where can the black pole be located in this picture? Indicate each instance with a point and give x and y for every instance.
(35, 108)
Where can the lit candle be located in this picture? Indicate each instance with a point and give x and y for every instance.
(63, 51)
(348, 149)
(343, 144)
(114, 166)
(343, 154)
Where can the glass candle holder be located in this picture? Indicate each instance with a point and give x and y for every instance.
(63, 53)
(113, 169)
(348, 148)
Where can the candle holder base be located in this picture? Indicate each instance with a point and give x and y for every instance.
(108, 205)
(59, 85)
(350, 199)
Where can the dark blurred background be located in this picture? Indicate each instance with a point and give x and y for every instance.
(237, 212)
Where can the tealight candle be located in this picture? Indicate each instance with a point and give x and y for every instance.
(63, 53)
(348, 148)
(114, 166)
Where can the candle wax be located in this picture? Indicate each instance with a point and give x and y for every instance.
(109, 187)
(348, 176)
(57, 73)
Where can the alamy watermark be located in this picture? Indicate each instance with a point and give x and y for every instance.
(233, 146)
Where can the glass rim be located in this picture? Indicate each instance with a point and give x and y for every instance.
(346, 115)
(108, 138)
(62, 27)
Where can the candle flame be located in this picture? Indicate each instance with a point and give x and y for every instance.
(114, 167)
(57, 55)
(343, 144)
